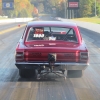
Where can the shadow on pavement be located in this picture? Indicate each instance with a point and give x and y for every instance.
(12, 75)
(74, 74)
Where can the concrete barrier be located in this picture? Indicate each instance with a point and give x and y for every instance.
(16, 20)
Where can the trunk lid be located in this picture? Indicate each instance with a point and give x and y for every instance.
(65, 51)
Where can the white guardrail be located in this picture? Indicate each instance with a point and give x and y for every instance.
(16, 20)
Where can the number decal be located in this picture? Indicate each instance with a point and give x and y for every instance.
(38, 35)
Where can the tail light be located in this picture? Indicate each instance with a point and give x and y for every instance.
(19, 56)
(84, 57)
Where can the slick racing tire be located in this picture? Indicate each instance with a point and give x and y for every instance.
(26, 73)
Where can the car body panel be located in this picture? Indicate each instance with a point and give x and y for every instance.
(36, 52)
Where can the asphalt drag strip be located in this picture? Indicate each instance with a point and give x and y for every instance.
(12, 87)
(93, 36)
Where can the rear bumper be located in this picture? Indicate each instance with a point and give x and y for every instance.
(68, 66)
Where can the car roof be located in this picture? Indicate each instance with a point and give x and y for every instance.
(51, 23)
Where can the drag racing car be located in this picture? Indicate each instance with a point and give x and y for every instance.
(51, 47)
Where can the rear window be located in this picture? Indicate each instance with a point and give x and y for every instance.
(51, 33)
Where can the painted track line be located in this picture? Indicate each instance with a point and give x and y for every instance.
(11, 29)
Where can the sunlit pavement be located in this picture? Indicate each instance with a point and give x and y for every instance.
(12, 87)
(88, 25)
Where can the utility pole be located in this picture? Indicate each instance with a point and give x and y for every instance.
(95, 9)
(65, 8)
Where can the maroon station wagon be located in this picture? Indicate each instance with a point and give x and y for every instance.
(51, 47)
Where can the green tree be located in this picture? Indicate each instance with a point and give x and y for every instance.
(98, 9)
(0, 7)
(23, 13)
(85, 8)
(41, 8)
(21, 8)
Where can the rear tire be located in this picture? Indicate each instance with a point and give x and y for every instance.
(26, 73)
(74, 73)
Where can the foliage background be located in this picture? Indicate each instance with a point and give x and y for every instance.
(31, 8)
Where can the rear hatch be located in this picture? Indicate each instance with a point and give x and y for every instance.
(38, 51)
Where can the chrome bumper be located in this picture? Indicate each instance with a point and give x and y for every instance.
(68, 66)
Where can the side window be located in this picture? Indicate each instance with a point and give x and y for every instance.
(30, 34)
(71, 36)
(24, 32)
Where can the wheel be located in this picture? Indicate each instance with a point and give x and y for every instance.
(26, 73)
(74, 73)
